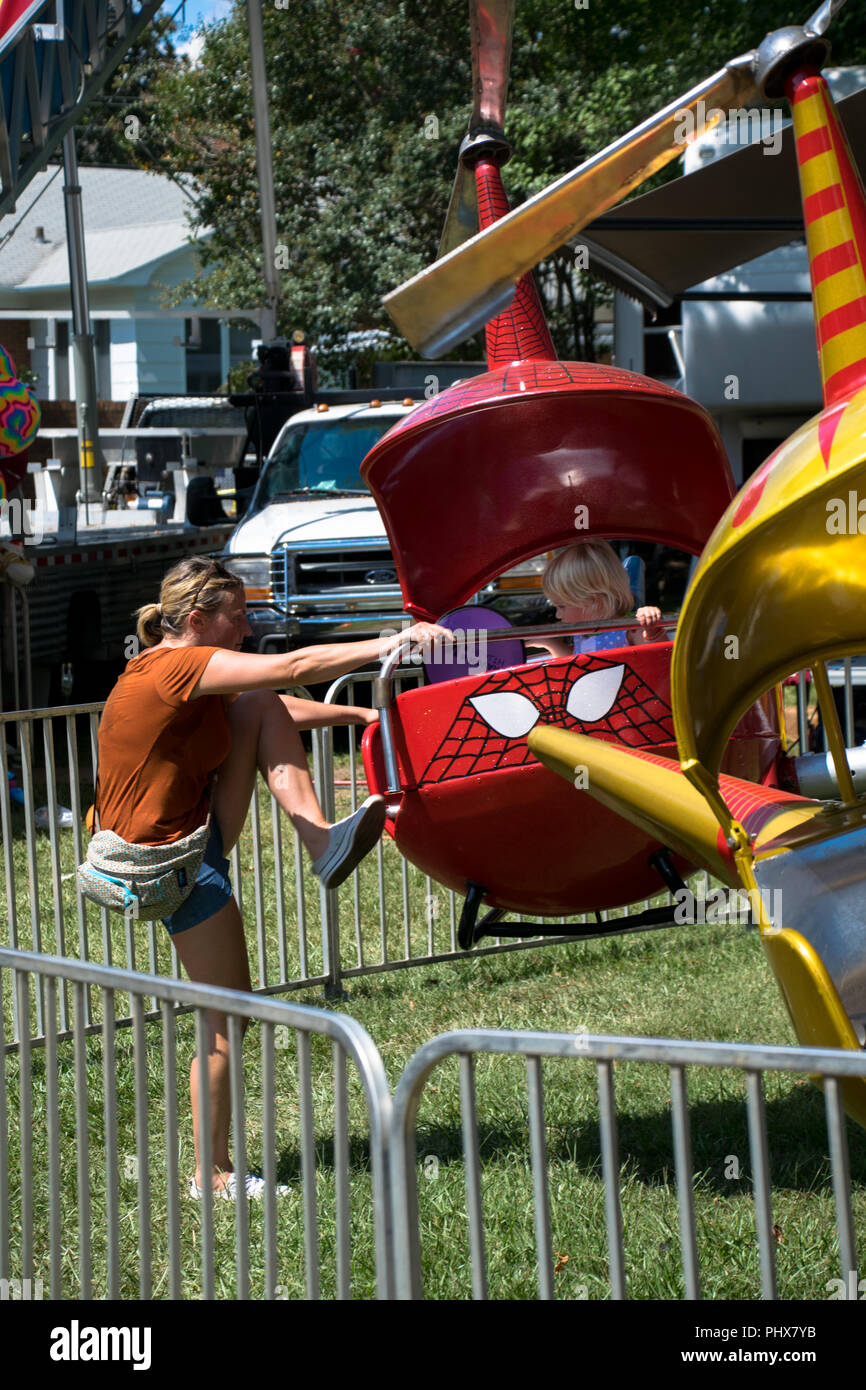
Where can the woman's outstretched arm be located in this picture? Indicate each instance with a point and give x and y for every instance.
(228, 672)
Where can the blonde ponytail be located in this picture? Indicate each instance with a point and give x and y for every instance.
(193, 583)
(149, 625)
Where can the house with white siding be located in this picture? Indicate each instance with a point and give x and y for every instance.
(137, 248)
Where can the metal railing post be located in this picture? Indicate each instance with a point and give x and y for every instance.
(128, 1112)
(323, 766)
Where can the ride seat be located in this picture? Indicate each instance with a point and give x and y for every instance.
(635, 568)
(474, 654)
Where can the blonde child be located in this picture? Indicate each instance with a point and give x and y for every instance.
(587, 583)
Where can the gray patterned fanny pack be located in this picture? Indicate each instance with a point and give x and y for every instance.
(144, 881)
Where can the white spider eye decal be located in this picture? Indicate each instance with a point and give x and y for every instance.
(508, 713)
(592, 696)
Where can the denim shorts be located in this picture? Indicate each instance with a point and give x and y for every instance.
(212, 888)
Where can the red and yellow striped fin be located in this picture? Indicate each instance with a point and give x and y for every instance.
(834, 212)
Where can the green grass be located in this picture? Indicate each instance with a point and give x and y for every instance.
(706, 982)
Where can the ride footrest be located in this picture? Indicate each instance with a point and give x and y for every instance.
(470, 930)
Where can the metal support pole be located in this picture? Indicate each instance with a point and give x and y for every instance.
(83, 356)
(264, 164)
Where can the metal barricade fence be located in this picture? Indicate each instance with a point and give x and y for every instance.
(848, 676)
(54, 759)
(92, 1156)
(677, 1056)
(387, 916)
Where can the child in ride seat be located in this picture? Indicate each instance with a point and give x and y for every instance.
(586, 582)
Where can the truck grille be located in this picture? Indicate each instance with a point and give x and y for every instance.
(297, 573)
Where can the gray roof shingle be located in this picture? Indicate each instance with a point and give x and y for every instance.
(131, 217)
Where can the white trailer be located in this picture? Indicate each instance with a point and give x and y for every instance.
(69, 631)
(743, 342)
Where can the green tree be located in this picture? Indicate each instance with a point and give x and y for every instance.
(368, 106)
(115, 129)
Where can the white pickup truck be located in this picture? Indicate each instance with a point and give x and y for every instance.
(312, 549)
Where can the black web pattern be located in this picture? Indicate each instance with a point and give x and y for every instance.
(637, 718)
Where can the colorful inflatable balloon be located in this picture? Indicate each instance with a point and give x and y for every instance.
(19, 410)
(19, 423)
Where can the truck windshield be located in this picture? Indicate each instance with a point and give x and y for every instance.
(316, 457)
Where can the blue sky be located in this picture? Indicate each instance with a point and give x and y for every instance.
(194, 14)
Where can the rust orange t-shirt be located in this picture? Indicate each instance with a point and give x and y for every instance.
(158, 748)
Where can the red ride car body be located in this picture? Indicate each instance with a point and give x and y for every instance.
(521, 460)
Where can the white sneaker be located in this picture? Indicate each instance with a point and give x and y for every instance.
(255, 1189)
(42, 818)
(350, 839)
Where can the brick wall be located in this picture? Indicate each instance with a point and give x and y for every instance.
(59, 415)
(13, 335)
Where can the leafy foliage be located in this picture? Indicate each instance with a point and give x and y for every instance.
(368, 106)
(110, 130)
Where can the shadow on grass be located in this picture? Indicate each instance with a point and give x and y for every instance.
(797, 1141)
(721, 1156)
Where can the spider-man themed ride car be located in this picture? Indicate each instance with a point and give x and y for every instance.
(491, 472)
(528, 457)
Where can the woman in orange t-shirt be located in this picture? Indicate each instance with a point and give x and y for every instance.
(192, 705)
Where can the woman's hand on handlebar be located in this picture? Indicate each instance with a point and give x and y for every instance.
(422, 635)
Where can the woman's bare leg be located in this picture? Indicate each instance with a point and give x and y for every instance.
(215, 953)
(264, 737)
